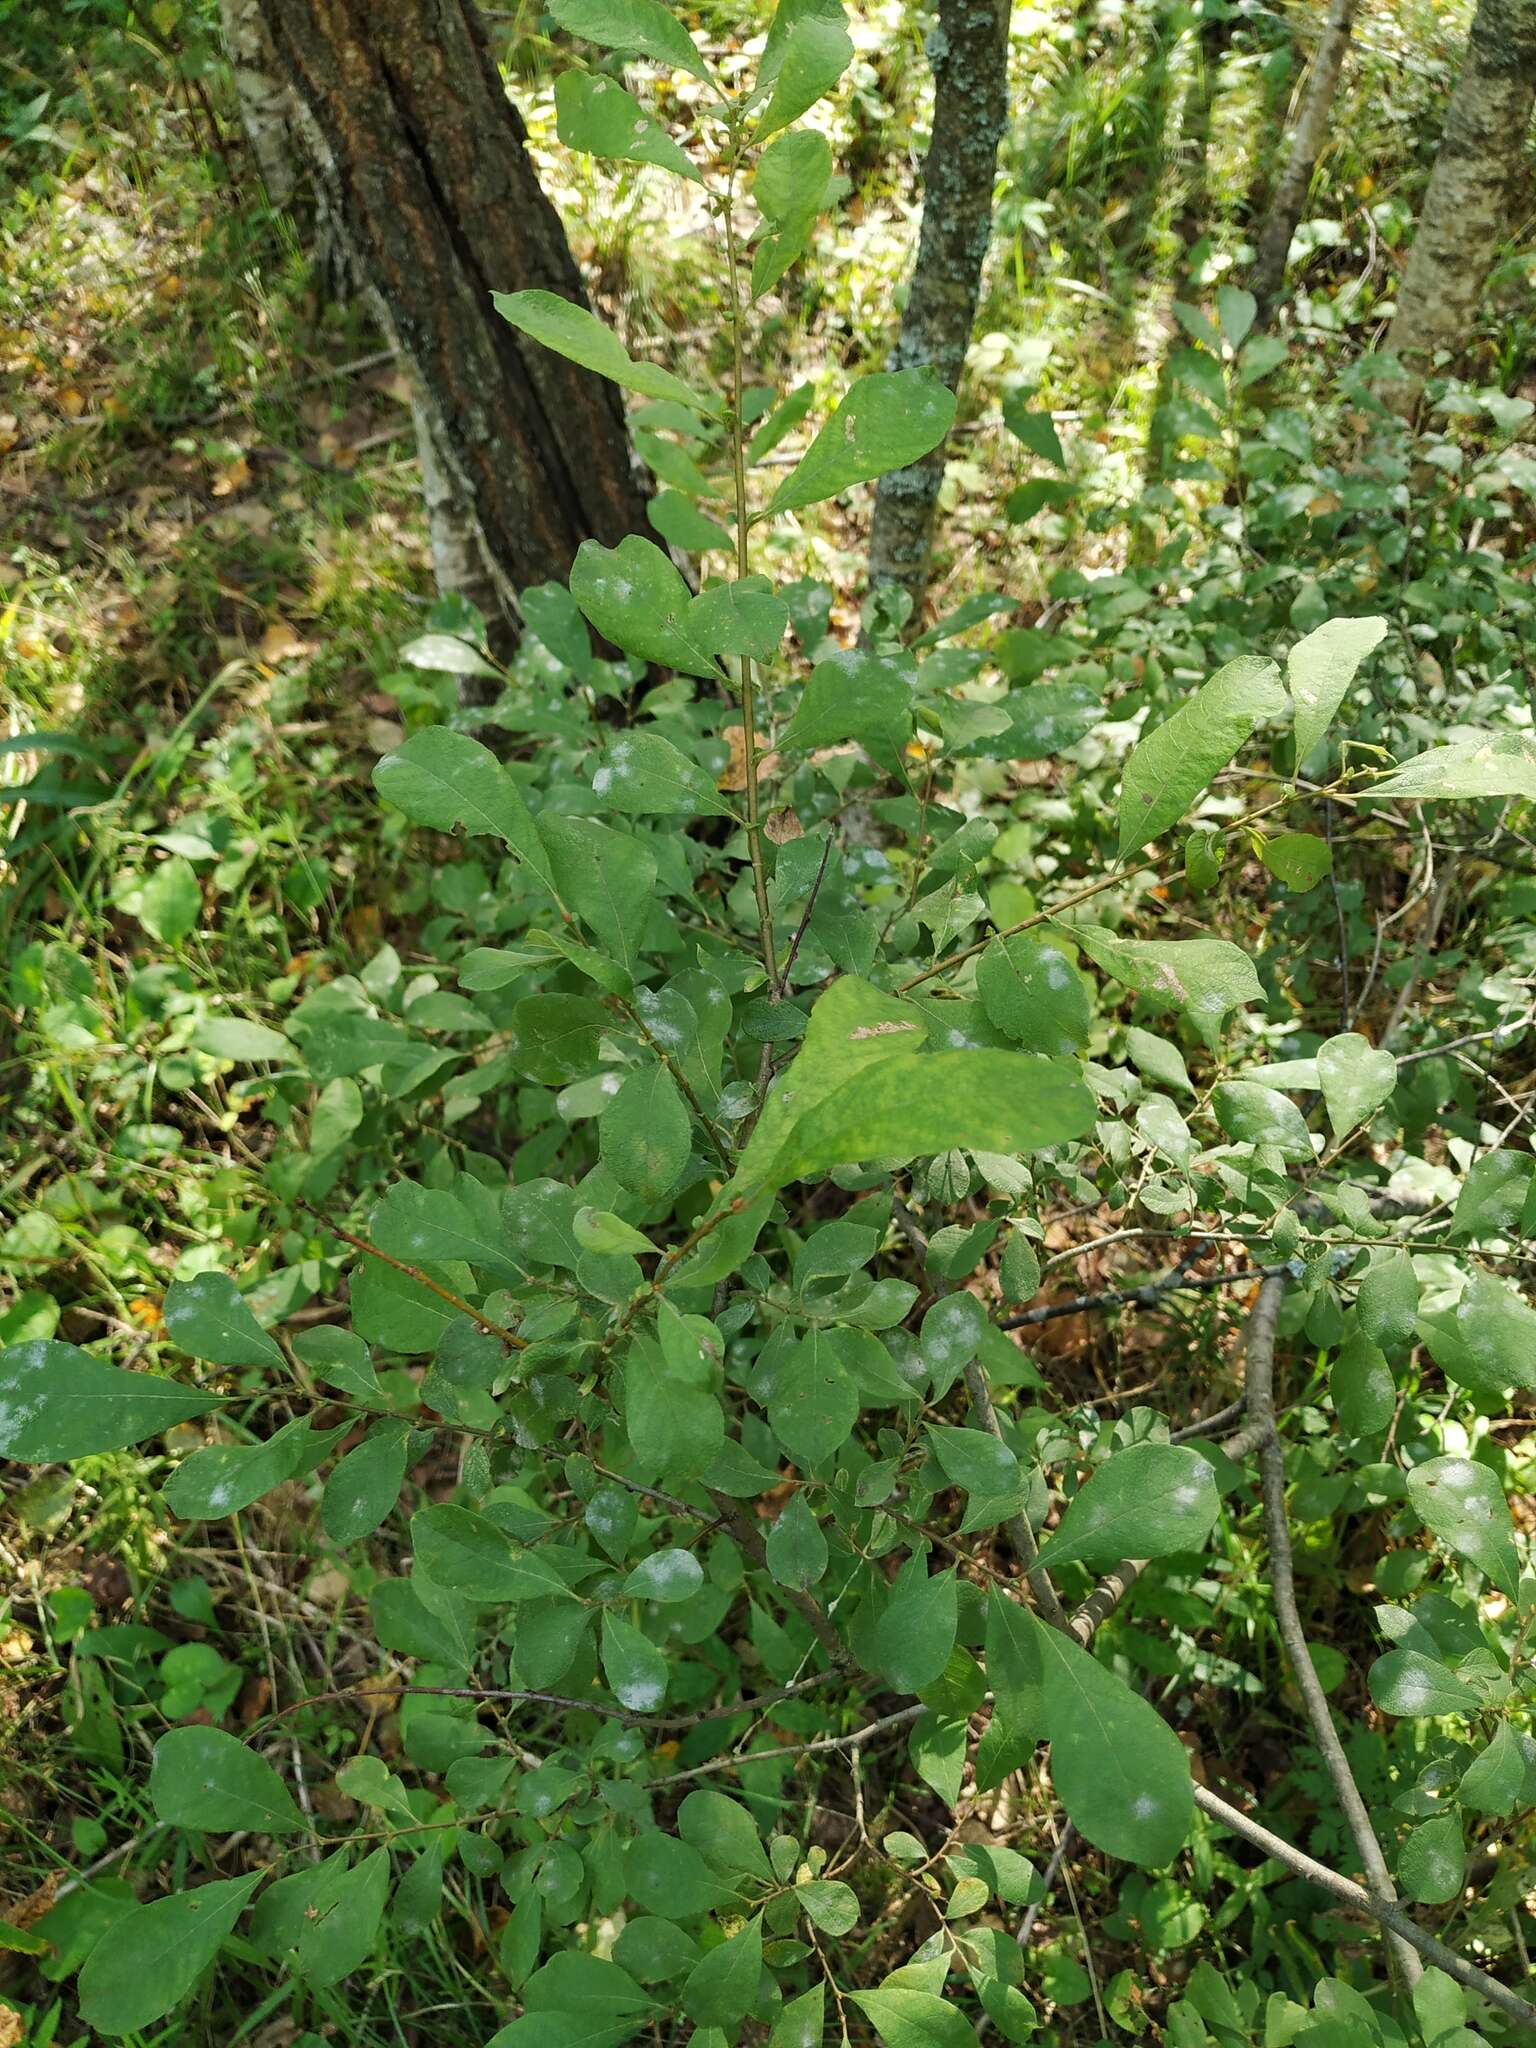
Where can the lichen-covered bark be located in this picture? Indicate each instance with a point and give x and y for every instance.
(1306, 145)
(266, 113)
(968, 49)
(426, 159)
(1466, 209)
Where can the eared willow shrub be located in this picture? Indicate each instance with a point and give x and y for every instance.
(753, 1475)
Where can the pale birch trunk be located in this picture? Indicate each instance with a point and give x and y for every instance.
(1466, 211)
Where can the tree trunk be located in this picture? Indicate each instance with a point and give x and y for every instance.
(968, 49)
(524, 455)
(1212, 41)
(1466, 208)
(1307, 140)
(266, 109)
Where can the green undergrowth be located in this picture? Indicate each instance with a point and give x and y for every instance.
(417, 1077)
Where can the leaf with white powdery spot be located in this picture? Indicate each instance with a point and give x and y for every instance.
(1319, 670)
(1463, 1504)
(58, 1402)
(1149, 1500)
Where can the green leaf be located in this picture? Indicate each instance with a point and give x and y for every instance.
(447, 654)
(852, 695)
(915, 2019)
(645, 27)
(1299, 859)
(802, 2022)
(790, 185)
(644, 774)
(341, 1935)
(340, 1358)
(237, 1038)
(1036, 430)
(444, 779)
(1237, 310)
(1158, 1060)
(573, 332)
(635, 596)
(1031, 990)
(1487, 1341)
(1148, 1500)
(148, 1962)
(58, 1403)
(1204, 978)
(1319, 670)
(1168, 769)
(1118, 1768)
(676, 1427)
(722, 1986)
(854, 1093)
(724, 1833)
(225, 1478)
(1494, 764)
(604, 1232)
(1388, 1302)
(1463, 1504)
(645, 1136)
(796, 1548)
(203, 1778)
(1494, 1781)
(633, 1666)
(365, 1484)
(1361, 1384)
(608, 878)
(1356, 1079)
(1015, 1669)
(429, 1226)
(171, 901)
(678, 520)
(831, 1906)
(555, 1038)
(476, 1559)
(1252, 1114)
(1416, 1687)
(666, 1576)
(1012, 1877)
(208, 1317)
(815, 56)
(746, 617)
(597, 116)
(886, 421)
(814, 1403)
(563, 2030)
(1432, 1863)
(974, 1459)
(1494, 1196)
(916, 1633)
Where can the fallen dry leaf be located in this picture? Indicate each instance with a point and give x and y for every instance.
(281, 643)
(735, 773)
(233, 477)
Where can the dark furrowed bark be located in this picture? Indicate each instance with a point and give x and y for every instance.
(426, 159)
